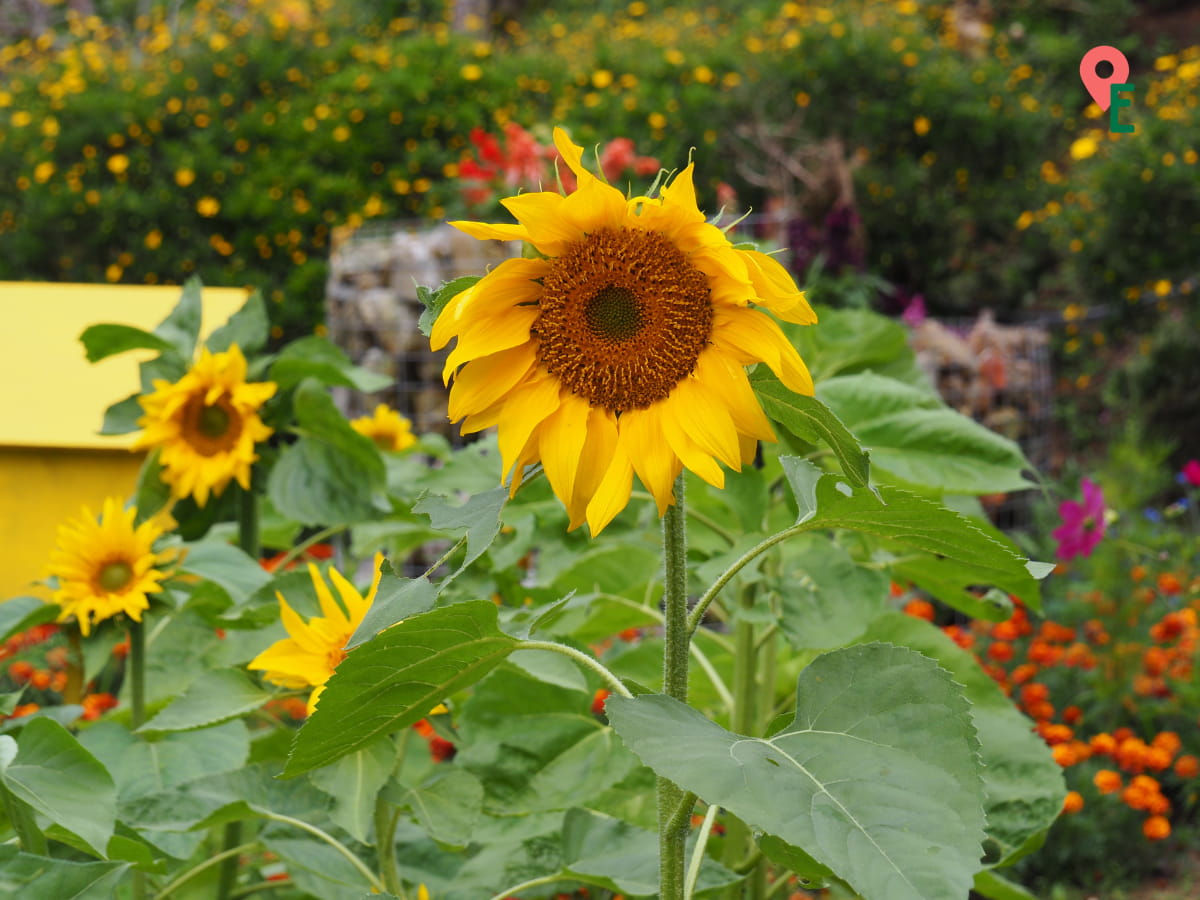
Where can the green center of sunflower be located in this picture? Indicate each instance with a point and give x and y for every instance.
(623, 318)
(212, 422)
(115, 576)
(613, 313)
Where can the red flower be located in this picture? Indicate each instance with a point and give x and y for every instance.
(1191, 472)
(598, 702)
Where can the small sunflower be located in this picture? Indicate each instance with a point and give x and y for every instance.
(622, 348)
(105, 567)
(387, 428)
(314, 648)
(206, 424)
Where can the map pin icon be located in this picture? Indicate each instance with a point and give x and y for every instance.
(1099, 87)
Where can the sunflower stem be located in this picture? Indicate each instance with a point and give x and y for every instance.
(73, 691)
(385, 844)
(248, 540)
(137, 711)
(672, 836)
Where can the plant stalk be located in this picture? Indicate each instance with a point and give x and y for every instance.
(73, 691)
(673, 827)
(20, 816)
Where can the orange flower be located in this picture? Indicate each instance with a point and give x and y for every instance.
(1169, 584)
(1167, 740)
(1156, 828)
(919, 609)
(963, 638)
(1107, 781)
(1005, 631)
(1154, 661)
(1073, 802)
(598, 702)
(1001, 651)
(1103, 743)
(1024, 673)
(1064, 755)
(1187, 766)
(1072, 715)
(1055, 734)
(1137, 573)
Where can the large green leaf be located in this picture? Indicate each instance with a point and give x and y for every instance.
(922, 443)
(213, 698)
(181, 328)
(317, 869)
(102, 341)
(827, 598)
(850, 340)
(1022, 782)
(912, 522)
(21, 613)
(447, 804)
(395, 678)
(41, 878)
(478, 517)
(396, 599)
(609, 853)
(227, 566)
(317, 358)
(249, 328)
(52, 772)
(354, 781)
(877, 777)
(332, 473)
(811, 420)
(536, 745)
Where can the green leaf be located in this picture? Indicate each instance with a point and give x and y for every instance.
(479, 517)
(102, 341)
(317, 869)
(436, 300)
(52, 772)
(396, 599)
(152, 494)
(9, 701)
(395, 678)
(249, 328)
(912, 522)
(809, 419)
(315, 357)
(923, 443)
(877, 777)
(795, 860)
(827, 598)
(447, 804)
(849, 340)
(1022, 782)
(122, 417)
(609, 853)
(354, 781)
(994, 887)
(214, 697)
(225, 565)
(22, 613)
(181, 329)
(333, 473)
(41, 878)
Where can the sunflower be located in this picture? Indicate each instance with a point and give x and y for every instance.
(105, 567)
(314, 648)
(206, 424)
(387, 428)
(622, 347)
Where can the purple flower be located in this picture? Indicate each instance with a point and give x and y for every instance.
(1191, 472)
(1082, 524)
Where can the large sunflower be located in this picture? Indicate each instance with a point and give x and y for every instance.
(314, 648)
(206, 424)
(106, 566)
(622, 349)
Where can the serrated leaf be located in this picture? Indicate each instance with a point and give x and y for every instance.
(22, 613)
(181, 328)
(876, 778)
(249, 328)
(827, 599)
(436, 300)
(102, 341)
(213, 698)
(913, 522)
(1022, 782)
(447, 804)
(333, 473)
(395, 678)
(396, 599)
(479, 517)
(59, 779)
(809, 419)
(353, 782)
(316, 357)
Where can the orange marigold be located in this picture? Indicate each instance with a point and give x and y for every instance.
(1156, 828)
(1169, 584)
(1072, 803)
(1103, 743)
(919, 609)
(1107, 781)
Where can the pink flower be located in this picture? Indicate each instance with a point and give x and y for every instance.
(1191, 472)
(1082, 524)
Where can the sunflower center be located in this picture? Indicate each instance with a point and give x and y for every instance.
(115, 576)
(211, 428)
(613, 313)
(212, 422)
(623, 317)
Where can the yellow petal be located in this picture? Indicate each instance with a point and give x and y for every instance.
(486, 380)
(593, 463)
(753, 336)
(776, 289)
(612, 494)
(644, 444)
(485, 231)
(526, 408)
(561, 439)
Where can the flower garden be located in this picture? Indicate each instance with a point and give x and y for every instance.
(815, 512)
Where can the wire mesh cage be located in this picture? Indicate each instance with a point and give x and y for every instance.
(372, 311)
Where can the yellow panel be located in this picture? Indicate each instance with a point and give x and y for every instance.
(39, 490)
(61, 397)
